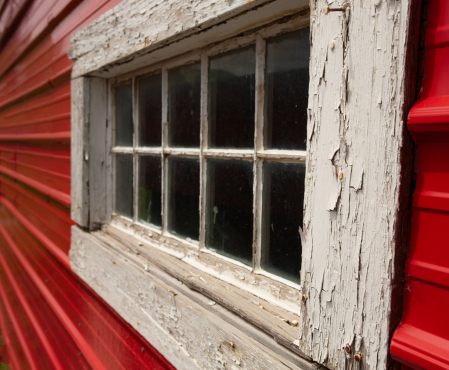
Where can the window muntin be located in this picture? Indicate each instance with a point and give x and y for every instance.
(177, 204)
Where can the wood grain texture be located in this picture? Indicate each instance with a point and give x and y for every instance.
(90, 163)
(99, 157)
(119, 40)
(79, 192)
(278, 293)
(355, 134)
(190, 330)
(275, 321)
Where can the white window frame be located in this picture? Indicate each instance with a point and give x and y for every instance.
(256, 155)
(278, 301)
(355, 158)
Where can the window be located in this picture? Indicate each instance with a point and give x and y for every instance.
(206, 301)
(209, 149)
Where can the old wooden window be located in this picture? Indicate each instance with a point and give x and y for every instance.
(168, 286)
(209, 149)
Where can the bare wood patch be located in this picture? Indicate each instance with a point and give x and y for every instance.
(119, 41)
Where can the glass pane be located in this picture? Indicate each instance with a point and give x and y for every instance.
(184, 87)
(124, 115)
(286, 91)
(232, 99)
(150, 111)
(184, 197)
(229, 209)
(124, 185)
(149, 196)
(283, 196)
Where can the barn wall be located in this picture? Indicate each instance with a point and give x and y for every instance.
(48, 317)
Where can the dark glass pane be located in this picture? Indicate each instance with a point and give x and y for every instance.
(149, 196)
(124, 115)
(283, 196)
(124, 185)
(229, 209)
(150, 111)
(232, 99)
(184, 88)
(286, 91)
(184, 197)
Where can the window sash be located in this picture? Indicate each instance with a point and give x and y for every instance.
(257, 155)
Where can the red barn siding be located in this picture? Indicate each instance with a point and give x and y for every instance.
(422, 339)
(49, 318)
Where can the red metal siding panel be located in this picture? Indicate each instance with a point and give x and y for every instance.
(422, 339)
(49, 318)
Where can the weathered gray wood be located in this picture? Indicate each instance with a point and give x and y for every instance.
(98, 153)
(79, 147)
(355, 130)
(89, 151)
(122, 37)
(277, 322)
(356, 97)
(190, 330)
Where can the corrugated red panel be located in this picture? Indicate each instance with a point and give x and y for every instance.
(49, 318)
(422, 339)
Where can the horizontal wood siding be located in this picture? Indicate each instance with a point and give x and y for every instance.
(48, 317)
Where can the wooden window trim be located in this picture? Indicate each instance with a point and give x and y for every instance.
(250, 296)
(357, 154)
(256, 155)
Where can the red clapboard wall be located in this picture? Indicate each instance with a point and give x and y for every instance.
(422, 339)
(48, 317)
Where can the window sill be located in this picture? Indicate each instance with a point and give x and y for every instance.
(186, 313)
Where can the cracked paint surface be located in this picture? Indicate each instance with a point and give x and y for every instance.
(356, 98)
(351, 200)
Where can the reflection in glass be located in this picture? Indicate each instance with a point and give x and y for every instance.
(123, 115)
(229, 208)
(283, 194)
(149, 196)
(150, 110)
(232, 99)
(184, 88)
(183, 197)
(286, 91)
(124, 185)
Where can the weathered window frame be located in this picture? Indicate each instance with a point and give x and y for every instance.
(351, 228)
(276, 314)
(256, 155)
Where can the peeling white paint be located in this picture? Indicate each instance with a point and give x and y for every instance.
(351, 201)
(188, 329)
(135, 27)
(352, 183)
